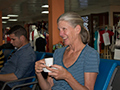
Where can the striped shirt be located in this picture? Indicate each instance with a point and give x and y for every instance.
(88, 61)
(2, 58)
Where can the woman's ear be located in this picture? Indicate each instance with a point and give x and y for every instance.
(78, 28)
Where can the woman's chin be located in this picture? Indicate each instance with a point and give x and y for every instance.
(65, 43)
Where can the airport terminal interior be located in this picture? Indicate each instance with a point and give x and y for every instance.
(101, 18)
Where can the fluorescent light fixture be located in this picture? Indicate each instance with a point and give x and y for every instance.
(12, 15)
(46, 12)
(45, 6)
(4, 21)
(12, 19)
(5, 17)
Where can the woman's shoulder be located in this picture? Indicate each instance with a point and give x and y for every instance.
(90, 49)
(91, 55)
(61, 49)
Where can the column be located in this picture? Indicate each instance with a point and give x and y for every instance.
(56, 8)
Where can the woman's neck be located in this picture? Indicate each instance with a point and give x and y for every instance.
(76, 47)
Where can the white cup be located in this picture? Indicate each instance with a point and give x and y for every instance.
(48, 62)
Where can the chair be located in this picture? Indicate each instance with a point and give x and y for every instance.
(114, 82)
(47, 54)
(32, 78)
(107, 70)
(34, 81)
(39, 56)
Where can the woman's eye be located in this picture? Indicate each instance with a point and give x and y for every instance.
(64, 28)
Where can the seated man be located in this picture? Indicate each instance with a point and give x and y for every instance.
(21, 64)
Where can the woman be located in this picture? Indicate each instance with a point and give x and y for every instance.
(76, 64)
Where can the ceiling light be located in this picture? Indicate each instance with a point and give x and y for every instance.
(45, 6)
(12, 20)
(45, 12)
(12, 15)
(5, 17)
(4, 21)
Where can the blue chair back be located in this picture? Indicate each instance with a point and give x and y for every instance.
(106, 70)
(39, 56)
(47, 54)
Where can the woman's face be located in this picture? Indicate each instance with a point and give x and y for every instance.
(67, 32)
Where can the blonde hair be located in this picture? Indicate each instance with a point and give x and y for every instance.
(75, 19)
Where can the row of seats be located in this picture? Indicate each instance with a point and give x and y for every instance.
(39, 55)
(112, 80)
(107, 72)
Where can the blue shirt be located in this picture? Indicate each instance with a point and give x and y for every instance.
(21, 63)
(88, 61)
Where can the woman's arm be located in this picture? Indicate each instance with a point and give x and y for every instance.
(75, 85)
(44, 84)
(62, 73)
(90, 78)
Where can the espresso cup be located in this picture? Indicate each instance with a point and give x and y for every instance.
(48, 62)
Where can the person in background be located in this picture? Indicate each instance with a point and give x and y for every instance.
(2, 58)
(21, 63)
(77, 64)
(7, 46)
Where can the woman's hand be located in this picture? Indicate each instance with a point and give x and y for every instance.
(39, 65)
(58, 72)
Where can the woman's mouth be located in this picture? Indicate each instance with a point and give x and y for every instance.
(65, 38)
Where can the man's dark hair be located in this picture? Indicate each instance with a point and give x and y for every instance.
(18, 30)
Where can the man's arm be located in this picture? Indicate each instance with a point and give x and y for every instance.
(8, 77)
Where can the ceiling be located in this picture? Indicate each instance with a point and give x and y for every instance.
(30, 10)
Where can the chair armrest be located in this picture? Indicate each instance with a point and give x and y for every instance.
(21, 85)
(17, 81)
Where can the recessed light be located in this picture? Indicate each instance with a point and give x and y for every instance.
(4, 21)
(12, 20)
(5, 17)
(45, 6)
(12, 15)
(46, 12)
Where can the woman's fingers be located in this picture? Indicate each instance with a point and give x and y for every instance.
(39, 65)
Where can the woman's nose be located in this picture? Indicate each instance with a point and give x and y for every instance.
(61, 32)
